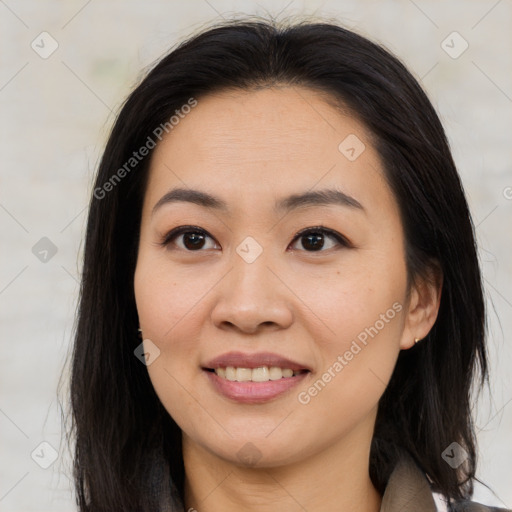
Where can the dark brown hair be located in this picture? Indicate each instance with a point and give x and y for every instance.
(119, 427)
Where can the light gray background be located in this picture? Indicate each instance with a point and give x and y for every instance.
(55, 116)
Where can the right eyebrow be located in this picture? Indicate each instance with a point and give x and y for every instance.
(189, 195)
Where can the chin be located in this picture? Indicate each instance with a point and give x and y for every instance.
(257, 451)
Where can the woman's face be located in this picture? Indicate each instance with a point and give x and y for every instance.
(243, 288)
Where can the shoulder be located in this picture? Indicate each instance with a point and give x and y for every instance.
(409, 484)
(464, 505)
(473, 506)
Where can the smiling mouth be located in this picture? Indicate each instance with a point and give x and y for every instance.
(254, 385)
(260, 374)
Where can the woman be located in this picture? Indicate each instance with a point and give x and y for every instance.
(281, 303)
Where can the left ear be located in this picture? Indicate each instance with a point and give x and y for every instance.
(423, 306)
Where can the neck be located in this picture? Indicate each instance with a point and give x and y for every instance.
(335, 479)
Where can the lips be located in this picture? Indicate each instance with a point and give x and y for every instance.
(219, 372)
(253, 392)
(257, 360)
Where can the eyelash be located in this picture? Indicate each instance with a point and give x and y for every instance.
(176, 232)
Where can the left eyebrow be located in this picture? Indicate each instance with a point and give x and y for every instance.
(324, 197)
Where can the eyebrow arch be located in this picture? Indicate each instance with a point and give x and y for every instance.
(323, 197)
(190, 195)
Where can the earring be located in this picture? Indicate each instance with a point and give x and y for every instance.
(416, 340)
(139, 333)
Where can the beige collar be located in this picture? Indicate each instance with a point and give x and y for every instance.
(407, 489)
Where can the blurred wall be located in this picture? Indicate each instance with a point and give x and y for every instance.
(65, 67)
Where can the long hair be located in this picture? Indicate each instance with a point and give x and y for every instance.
(119, 427)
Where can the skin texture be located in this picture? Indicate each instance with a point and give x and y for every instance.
(251, 148)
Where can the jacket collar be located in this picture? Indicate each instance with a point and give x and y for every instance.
(407, 489)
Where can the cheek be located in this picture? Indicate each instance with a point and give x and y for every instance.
(170, 304)
(162, 306)
(349, 298)
(356, 364)
(362, 317)
(166, 296)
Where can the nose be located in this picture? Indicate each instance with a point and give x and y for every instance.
(252, 298)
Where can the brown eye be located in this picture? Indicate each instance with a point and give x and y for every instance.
(191, 238)
(314, 239)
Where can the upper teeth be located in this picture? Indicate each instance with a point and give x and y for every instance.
(261, 374)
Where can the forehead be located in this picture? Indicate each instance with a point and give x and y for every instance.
(278, 122)
(277, 141)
